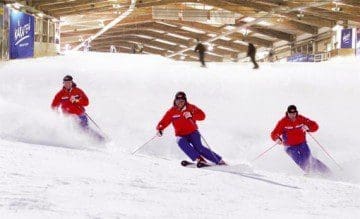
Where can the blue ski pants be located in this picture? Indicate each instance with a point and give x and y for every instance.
(83, 121)
(193, 148)
(302, 156)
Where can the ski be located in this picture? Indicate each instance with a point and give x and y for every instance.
(185, 163)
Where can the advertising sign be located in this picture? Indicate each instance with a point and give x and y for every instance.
(346, 38)
(357, 46)
(301, 58)
(21, 35)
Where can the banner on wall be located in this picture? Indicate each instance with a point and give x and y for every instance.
(301, 58)
(346, 38)
(21, 35)
(357, 42)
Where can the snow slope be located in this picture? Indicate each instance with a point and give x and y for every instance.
(51, 170)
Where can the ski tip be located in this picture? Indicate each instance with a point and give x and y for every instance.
(200, 165)
(185, 163)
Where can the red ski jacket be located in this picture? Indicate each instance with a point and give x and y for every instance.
(182, 125)
(62, 98)
(291, 132)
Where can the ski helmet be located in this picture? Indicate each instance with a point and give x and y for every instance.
(180, 95)
(292, 109)
(68, 78)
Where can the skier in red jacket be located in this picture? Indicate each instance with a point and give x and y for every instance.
(72, 100)
(183, 117)
(290, 131)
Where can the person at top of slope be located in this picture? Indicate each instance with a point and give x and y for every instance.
(72, 101)
(183, 117)
(201, 49)
(290, 131)
(252, 54)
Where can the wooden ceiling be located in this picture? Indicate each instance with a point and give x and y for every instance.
(183, 21)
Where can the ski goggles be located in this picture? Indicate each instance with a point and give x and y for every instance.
(180, 98)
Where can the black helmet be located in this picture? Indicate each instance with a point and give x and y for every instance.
(180, 95)
(68, 78)
(292, 109)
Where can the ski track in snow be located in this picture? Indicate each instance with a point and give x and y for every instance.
(51, 170)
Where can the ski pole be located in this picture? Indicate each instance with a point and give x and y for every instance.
(202, 137)
(136, 150)
(97, 126)
(324, 150)
(87, 115)
(264, 152)
(93, 122)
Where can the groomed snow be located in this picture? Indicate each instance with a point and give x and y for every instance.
(49, 169)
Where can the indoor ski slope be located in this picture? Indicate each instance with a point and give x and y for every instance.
(49, 169)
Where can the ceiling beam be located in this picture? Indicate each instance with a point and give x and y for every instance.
(270, 32)
(72, 5)
(129, 45)
(149, 33)
(310, 20)
(138, 39)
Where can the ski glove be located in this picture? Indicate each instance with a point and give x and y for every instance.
(305, 128)
(187, 115)
(73, 99)
(279, 141)
(159, 133)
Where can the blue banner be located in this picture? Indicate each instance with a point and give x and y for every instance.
(346, 38)
(357, 46)
(21, 35)
(301, 58)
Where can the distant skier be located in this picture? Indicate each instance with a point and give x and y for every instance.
(290, 131)
(251, 53)
(271, 55)
(200, 48)
(72, 101)
(133, 48)
(183, 117)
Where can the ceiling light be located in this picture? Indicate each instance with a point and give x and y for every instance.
(280, 19)
(248, 19)
(264, 23)
(244, 31)
(300, 14)
(117, 6)
(336, 8)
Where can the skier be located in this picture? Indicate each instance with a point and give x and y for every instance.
(200, 48)
(251, 53)
(72, 101)
(290, 131)
(271, 55)
(183, 117)
(133, 48)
